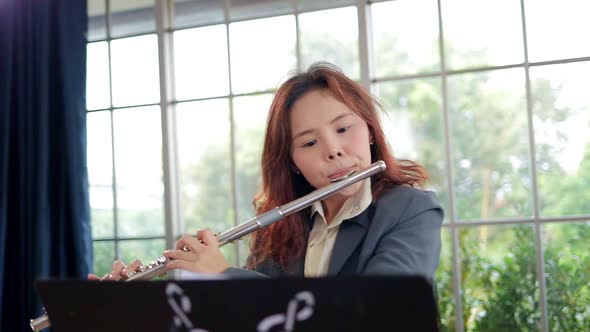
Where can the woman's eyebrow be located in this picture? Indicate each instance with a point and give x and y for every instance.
(308, 131)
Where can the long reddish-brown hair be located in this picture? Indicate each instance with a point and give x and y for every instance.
(284, 241)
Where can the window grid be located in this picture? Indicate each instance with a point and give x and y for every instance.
(232, 128)
(540, 250)
(455, 263)
(164, 11)
(113, 157)
(168, 118)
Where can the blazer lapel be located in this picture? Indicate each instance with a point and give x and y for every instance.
(351, 233)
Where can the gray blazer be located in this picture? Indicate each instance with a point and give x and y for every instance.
(399, 234)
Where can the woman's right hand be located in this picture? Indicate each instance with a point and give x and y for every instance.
(118, 271)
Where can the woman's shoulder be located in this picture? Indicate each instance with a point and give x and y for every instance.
(403, 192)
(408, 201)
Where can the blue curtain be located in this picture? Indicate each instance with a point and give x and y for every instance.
(44, 209)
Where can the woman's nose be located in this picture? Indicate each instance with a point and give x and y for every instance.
(333, 151)
(332, 148)
(333, 155)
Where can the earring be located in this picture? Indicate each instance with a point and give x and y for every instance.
(371, 142)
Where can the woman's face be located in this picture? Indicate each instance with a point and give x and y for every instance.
(328, 140)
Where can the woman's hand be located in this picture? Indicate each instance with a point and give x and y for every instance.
(119, 271)
(204, 255)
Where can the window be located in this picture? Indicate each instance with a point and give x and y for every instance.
(487, 95)
(124, 157)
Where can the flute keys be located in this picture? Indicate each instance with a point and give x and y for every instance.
(160, 261)
(127, 275)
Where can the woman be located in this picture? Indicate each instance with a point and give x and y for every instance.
(321, 127)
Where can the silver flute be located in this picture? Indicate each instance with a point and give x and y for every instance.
(158, 267)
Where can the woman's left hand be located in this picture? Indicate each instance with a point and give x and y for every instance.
(204, 255)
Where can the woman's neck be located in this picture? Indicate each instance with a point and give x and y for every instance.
(332, 206)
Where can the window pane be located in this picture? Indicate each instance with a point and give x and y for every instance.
(200, 62)
(244, 10)
(498, 269)
(413, 125)
(561, 113)
(97, 28)
(144, 250)
(405, 37)
(100, 173)
(203, 130)
(135, 71)
(132, 17)
(444, 284)
(482, 33)
(564, 36)
(262, 53)
(250, 114)
(250, 122)
(198, 12)
(567, 258)
(489, 149)
(309, 5)
(336, 42)
(104, 255)
(97, 76)
(138, 167)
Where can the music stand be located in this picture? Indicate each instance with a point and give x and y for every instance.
(344, 303)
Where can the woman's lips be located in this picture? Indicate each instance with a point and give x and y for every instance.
(341, 174)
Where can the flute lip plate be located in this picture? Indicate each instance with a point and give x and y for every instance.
(343, 177)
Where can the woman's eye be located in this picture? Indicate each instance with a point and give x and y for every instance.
(343, 129)
(309, 143)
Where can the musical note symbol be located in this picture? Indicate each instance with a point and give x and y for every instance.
(181, 319)
(289, 317)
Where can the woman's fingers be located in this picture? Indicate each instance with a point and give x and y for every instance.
(189, 242)
(203, 255)
(181, 255)
(131, 269)
(133, 266)
(117, 268)
(207, 237)
(118, 271)
(93, 277)
(107, 276)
